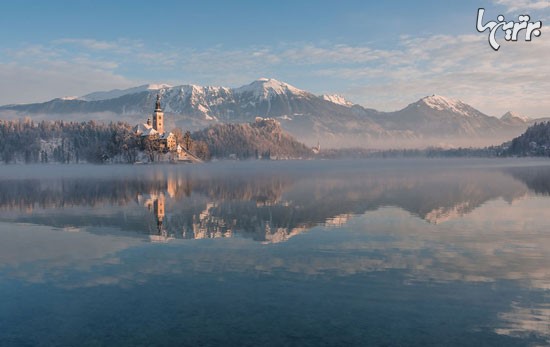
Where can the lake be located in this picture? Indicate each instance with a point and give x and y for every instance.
(282, 253)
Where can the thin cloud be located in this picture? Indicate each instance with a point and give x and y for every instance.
(121, 46)
(56, 79)
(463, 66)
(458, 66)
(517, 5)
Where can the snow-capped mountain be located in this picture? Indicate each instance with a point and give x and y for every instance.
(115, 93)
(330, 119)
(438, 116)
(455, 106)
(337, 99)
(267, 88)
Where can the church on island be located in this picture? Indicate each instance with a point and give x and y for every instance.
(166, 141)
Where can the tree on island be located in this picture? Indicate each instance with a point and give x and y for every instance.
(151, 146)
(187, 142)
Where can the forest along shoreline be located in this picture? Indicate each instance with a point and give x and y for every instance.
(24, 141)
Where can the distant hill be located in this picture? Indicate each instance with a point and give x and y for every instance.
(330, 119)
(263, 138)
(535, 141)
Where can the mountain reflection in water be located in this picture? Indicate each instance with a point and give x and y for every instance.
(456, 249)
(263, 204)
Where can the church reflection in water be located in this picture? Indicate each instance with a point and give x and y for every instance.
(260, 204)
(273, 209)
(434, 232)
(155, 204)
(208, 223)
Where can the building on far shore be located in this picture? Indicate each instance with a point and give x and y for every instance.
(167, 140)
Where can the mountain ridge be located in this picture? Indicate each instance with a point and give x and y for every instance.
(114, 93)
(329, 119)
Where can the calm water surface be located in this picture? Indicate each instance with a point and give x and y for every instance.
(320, 253)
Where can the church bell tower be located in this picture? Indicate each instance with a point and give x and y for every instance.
(159, 211)
(158, 117)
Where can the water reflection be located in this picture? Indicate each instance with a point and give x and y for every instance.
(385, 236)
(265, 206)
(525, 321)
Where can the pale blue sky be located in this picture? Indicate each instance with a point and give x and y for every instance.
(382, 54)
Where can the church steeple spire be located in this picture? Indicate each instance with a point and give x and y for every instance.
(157, 106)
